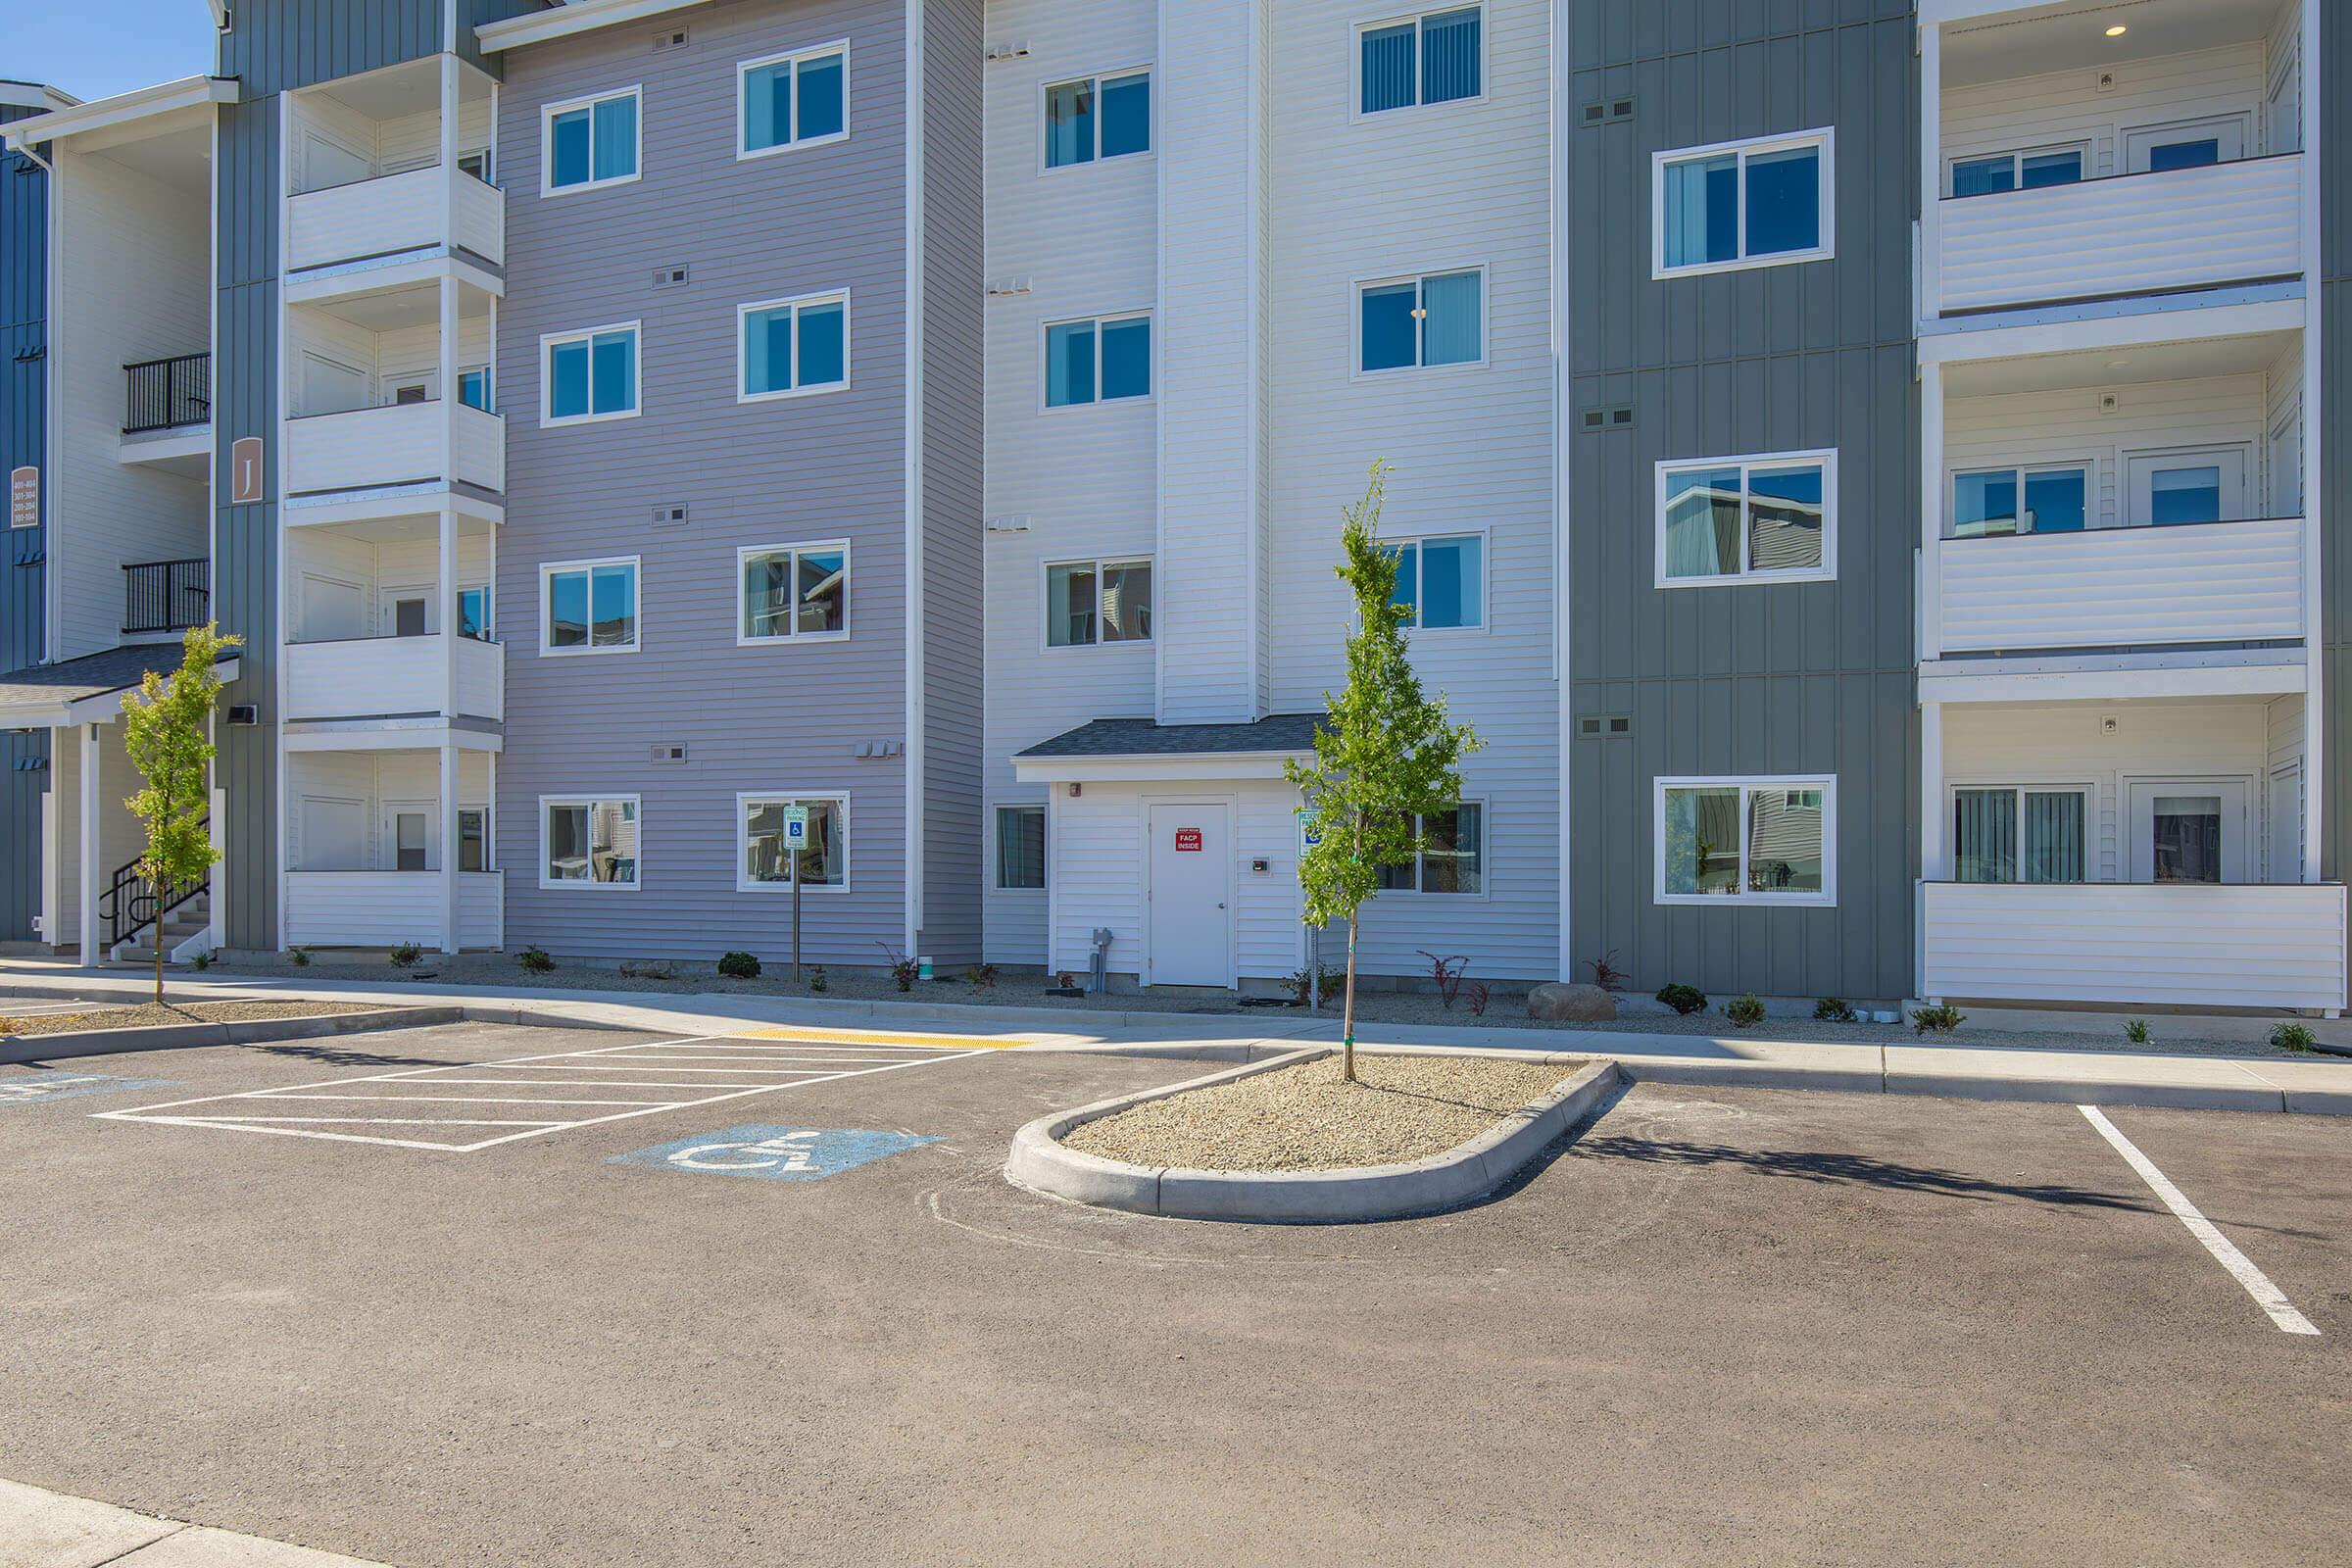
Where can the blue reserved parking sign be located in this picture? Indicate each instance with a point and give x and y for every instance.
(774, 1153)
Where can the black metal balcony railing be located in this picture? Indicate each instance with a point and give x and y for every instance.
(167, 393)
(166, 595)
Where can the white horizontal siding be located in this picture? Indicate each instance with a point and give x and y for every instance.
(2120, 587)
(2062, 108)
(380, 908)
(370, 779)
(2177, 945)
(373, 217)
(373, 676)
(364, 448)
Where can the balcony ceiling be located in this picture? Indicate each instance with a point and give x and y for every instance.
(2074, 37)
(2155, 362)
(392, 310)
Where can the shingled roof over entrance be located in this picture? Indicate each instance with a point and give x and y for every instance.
(1141, 737)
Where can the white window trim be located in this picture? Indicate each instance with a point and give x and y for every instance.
(2016, 157)
(548, 568)
(1045, 599)
(745, 553)
(1419, 106)
(1486, 584)
(1419, 279)
(2087, 467)
(1486, 861)
(794, 57)
(1825, 138)
(1827, 572)
(2090, 791)
(797, 301)
(549, 342)
(745, 800)
(1827, 897)
(1044, 361)
(591, 801)
(995, 868)
(547, 142)
(1045, 99)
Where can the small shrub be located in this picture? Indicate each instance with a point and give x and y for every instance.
(2137, 1031)
(405, 955)
(300, 958)
(816, 979)
(1834, 1010)
(1301, 985)
(1605, 973)
(1479, 997)
(1942, 1018)
(534, 960)
(2292, 1037)
(1446, 972)
(739, 966)
(202, 962)
(1684, 1000)
(981, 976)
(904, 971)
(1745, 1012)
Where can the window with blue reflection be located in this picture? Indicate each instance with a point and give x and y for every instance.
(1725, 208)
(1433, 59)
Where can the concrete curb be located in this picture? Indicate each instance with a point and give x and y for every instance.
(251, 1032)
(1040, 1160)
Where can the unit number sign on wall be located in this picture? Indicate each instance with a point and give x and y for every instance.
(1188, 841)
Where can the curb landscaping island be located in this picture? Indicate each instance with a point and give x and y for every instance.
(110, 1031)
(1043, 1159)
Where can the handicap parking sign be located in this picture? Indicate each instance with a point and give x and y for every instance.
(774, 1153)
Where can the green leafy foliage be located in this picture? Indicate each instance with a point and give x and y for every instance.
(2137, 1031)
(2292, 1037)
(534, 960)
(1942, 1018)
(404, 955)
(739, 966)
(1684, 1000)
(301, 958)
(1744, 1012)
(1834, 1009)
(166, 728)
(818, 981)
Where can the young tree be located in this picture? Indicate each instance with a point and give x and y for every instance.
(1385, 755)
(166, 730)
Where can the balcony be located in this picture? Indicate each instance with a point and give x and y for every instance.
(378, 909)
(165, 596)
(2190, 944)
(2124, 587)
(173, 394)
(2147, 233)
(395, 214)
(386, 677)
(379, 447)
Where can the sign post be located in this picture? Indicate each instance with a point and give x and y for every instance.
(1308, 838)
(796, 839)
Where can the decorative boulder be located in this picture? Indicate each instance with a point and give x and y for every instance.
(1571, 1004)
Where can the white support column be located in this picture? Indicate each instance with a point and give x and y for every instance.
(2316, 695)
(1930, 171)
(91, 795)
(449, 844)
(1935, 847)
(1931, 511)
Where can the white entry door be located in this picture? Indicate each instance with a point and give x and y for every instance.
(2206, 484)
(1191, 893)
(2188, 830)
(2187, 144)
(408, 836)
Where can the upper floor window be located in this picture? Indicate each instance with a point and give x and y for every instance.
(2045, 498)
(590, 374)
(1098, 361)
(1097, 116)
(1754, 840)
(473, 387)
(1088, 601)
(1441, 581)
(1453, 858)
(1730, 520)
(1434, 58)
(590, 141)
(793, 99)
(588, 607)
(1409, 323)
(1741, 204)
(1995, 172)
(798, 591)
(793, 346)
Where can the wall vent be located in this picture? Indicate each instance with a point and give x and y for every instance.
(1606, 111)
(671, 276)
(245, 715)
(669, 513)
(1007, 51)
(1611, 726)
(1619, 417)
(670, 751)
(665, 41)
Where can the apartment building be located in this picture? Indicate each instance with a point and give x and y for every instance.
(1862, 473)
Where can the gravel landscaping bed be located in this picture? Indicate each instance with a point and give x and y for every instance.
(1401, 1108)
(147, 1016)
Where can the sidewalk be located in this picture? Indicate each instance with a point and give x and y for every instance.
(1976, 1067)
(50, 1530)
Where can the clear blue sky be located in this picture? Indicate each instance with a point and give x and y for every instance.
(97, 48)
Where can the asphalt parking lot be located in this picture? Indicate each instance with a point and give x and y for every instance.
(1719, 1327)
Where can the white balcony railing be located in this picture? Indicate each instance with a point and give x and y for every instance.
(378, 909)
(2123, 587)
(392, 215)
(2194, 944)
(2126, 235)
(381, 677)
(365, 448)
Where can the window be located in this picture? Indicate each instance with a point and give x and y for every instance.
(473, 389)
(1453, 858)
(473, 613)
(1434, 58)
(588, 842)
(1409, 323)
(2051, 499)
(1088, 601)
(1741, 204)
(1738, 520)
(589, 375)
(589, 607)
(1097, 118)
(481, 163)
(1757, 841)
(793, 99)
(589, 142)
(408, 842)
(787, 347)
(1020, 846)
(2198, 484)
(1442, 582)
(473, 837)
(798, 591)
(768, 868)
(2014, 834)
(2027, 171)
(1101, 361)
(2187, 144)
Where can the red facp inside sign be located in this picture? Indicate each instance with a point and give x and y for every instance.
(1188, 841)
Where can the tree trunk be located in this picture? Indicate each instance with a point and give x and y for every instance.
(157, 934)
(1347, 1024)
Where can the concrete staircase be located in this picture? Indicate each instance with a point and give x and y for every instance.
(183, 924)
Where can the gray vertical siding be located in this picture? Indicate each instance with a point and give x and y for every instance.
(953, 384)
(23, 392)
(1795, 678)
(273, 46)
(783, 718)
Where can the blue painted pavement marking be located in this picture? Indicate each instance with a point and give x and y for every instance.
(40, 1089)
(774, 1153)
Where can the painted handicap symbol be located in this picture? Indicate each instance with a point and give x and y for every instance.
(773, 1154)
(40, 1089)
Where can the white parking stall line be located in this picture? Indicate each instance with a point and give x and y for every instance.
(2270, 1298)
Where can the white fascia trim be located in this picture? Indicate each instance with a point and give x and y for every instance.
(388, 735)
(189, 93)
(912, 759)
(2171, 318)
(563, 21)
(1149, 769)
(2274, 677)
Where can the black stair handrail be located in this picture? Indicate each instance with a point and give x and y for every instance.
(128, 904)
(167, 393)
